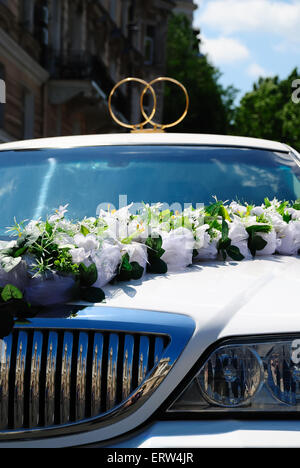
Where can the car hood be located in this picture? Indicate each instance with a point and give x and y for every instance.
(250, 297)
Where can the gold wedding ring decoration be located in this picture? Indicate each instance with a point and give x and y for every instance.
(148, 118)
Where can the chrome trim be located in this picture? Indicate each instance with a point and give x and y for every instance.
(50, 378)
(111, 391)
(5, 360)
(65, 387)
(35, 375)
(19, 380)
(81, 375)
(140, 333)
(143, 359)
(96, 385)
(127, 366)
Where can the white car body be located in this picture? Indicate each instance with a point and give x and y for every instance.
(250, 301)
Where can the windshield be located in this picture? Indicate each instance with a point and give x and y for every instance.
(35, 182)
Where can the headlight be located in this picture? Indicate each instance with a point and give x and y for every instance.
(259, 375)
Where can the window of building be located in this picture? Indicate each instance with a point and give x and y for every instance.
(149, 45)
(28, 14)
(41, 21)
(113, 9)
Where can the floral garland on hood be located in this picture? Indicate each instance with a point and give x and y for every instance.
(57, 261)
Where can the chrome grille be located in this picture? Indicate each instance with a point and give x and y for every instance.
(54, 377)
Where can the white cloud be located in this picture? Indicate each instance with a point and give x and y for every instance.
(224, 50)
(255, 71)
(231, 16)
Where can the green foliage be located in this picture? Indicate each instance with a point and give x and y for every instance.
(225, 247)
(10, 292)
(269, 112)
(256, 242)
(129, 270)
(12, 305)
(87, 275)
(211, 106)
(156, 265)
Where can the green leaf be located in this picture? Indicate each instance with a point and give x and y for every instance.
(20, 252)
(267, 202)
(49, 228)
(287, 217)
(234, 253)
(259, 243)
(125, 265)
(256, 243)
(84, 230)
(93, 295)
(137, 271)
(88, 275)
(10, 292)
(157, 266)
(224, 213)
(258, 228)
(224, 244)
(225, 230)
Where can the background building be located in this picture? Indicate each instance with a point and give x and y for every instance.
(61, 58)
(187, 7)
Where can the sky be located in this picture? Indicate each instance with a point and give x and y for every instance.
(247, 39)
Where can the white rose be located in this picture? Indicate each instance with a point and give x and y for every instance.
(209, 251)
(201, 236)
(137, 253)
(239, 238)
(107, 261)
(273, 243)
(257, 211)
(79, 255)
(178, 246)
(290, 239)
(89, 243)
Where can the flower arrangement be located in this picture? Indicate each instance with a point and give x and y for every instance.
(58, 261)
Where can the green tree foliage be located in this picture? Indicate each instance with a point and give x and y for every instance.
(269, 112)
(211, 106)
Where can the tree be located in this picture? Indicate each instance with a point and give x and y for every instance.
(211, 106)
(269, 112)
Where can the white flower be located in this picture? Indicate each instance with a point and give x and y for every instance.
(239, 237)
(137, 253)
(237, 208)
(33, 228)
(89, 243)
(273, 243)
(275, 219)
(79, 255)
(202, 237)
(59, 214)
(178, 246)
(209, 251)
(107, 261)
(63, 240)
(257, 211)
(290, 239)
(294, 213)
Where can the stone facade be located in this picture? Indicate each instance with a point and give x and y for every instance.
(59, 60)
(187, 7)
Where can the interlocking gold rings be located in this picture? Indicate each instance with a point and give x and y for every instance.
(148, 118)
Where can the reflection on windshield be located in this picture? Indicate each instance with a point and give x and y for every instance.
(35, 182)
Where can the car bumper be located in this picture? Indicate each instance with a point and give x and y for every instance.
(219, 434)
